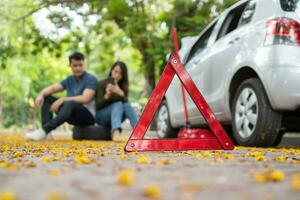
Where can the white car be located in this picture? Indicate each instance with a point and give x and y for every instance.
(246, 63)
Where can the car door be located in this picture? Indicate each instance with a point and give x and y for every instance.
(197, 55)
(225, 53)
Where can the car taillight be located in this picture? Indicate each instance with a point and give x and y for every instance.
(283, 31)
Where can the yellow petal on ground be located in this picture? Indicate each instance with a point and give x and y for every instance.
(123, 156)
(18, 154)
(295, 182)
(282, 158)
(126, 178)
(55, 196)
(260, 178)
(163, 161)
(152, 191)
(66, 154)
(103, 154)
(4, 164)
(190, 187)
(55, 172)
(260, 158)
(269, 175)
(83, 160)
(277, 175)
(9, 166)
(229, 157)
(29, 164)
(207, 154)
(143, 159)
(56, 158)
(13, 167)
(46, 159)
(8, 195)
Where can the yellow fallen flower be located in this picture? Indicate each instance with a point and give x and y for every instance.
(260, 178)
(123, 156)
(282, 158)
(29, 164)
(260, 158)
(56, 158)
(191, 187)
(143, 159)
(152, 191)
(55, 172)
(18, 154)
(206, 154)
(229, 157)
(8, 195)
(83, 160)
(126, 178)
(46, 159)
(277, 176)
(55, 196)
(163, 161)
(4, 164)
(295, 182)
(269, 175)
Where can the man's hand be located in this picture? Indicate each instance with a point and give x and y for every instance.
(55, 106)
(39, 100)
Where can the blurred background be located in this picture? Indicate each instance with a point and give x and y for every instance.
(37, 36)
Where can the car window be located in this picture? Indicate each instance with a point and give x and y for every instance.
(248, 13)
(201, 43)
(231, 22)
(290, 5)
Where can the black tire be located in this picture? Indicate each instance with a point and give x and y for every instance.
(91, 133)
(268, 122)
(163, 125)
(278, 139)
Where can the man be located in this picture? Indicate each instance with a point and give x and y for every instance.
(78, 108)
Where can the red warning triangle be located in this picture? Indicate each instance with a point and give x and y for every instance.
(207, 140)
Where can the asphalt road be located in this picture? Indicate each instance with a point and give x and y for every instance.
(66, 169)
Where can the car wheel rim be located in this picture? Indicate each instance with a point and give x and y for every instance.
(246, 113)
(162, 121)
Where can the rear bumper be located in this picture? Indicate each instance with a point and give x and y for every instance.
(281, 77)
(284, 88)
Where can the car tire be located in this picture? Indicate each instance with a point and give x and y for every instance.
(254, 122)
(163, 124)
(278, 139)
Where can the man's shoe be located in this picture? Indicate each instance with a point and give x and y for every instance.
(37, 135)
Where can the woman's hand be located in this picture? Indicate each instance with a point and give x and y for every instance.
(108, 92)
(115, 89)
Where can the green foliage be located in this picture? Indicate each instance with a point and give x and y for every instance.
(136, 32)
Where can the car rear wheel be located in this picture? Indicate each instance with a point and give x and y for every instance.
(164, 128)
(254, 123)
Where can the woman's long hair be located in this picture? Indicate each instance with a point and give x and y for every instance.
(123, 83)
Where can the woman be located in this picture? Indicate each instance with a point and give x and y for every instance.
(112, 101)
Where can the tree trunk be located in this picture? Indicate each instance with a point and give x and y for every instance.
(149, 75)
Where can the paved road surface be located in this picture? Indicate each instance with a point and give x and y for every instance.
(66, 169)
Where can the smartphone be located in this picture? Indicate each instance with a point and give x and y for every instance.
(111, 80)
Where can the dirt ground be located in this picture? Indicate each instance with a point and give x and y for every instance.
(66, 169)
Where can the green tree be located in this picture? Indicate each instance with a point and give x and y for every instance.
(135, 31)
